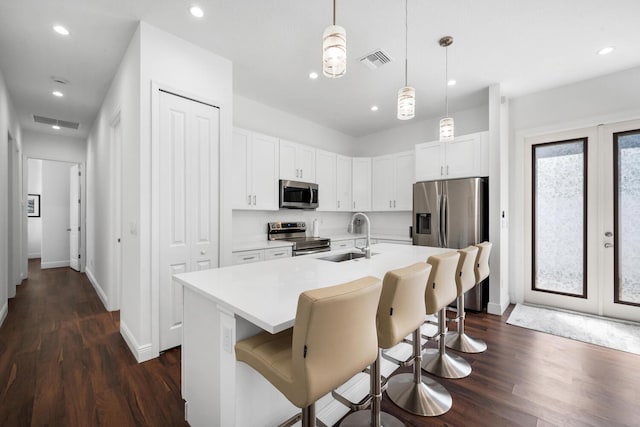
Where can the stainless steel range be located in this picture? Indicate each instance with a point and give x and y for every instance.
(296, 232)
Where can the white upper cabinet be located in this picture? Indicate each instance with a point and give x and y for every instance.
(344, 181)
(392, 182)
(361, 173)
(465, 156)
(326, 180)
(297, 162)
(255, 171)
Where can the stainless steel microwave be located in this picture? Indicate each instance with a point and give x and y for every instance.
(298, 195)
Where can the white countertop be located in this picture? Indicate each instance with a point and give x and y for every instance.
(266, 293)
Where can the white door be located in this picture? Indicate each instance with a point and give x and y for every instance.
(618, 234)
(583, 195)
(74, 217)
(189, 142)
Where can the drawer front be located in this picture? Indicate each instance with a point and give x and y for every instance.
(276, 253)
(246, 257)
(342, 244)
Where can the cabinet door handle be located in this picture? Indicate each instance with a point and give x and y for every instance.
(390, 204)
(441, 170)
(354, 204)
(254, 200)
(447, 170)
(301, 173)
(247, 258)
(338, 204)
(249, 199)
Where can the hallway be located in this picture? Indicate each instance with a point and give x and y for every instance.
(64, 362)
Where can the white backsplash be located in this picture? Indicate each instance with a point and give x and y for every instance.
(249, 226)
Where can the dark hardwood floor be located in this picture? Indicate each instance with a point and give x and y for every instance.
(64, 363)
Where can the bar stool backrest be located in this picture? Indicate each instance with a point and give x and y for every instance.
(465, 273)
(334, 336)
(441, 286)
(482, 262)
(401, 308)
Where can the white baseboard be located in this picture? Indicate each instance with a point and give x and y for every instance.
(98, 289)
(34, 255)
(54, 264)
(497, 309)
(3, 312)
(142, 353)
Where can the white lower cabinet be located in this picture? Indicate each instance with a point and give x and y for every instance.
(247, 257)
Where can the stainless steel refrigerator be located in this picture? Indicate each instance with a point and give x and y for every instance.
(453, 214)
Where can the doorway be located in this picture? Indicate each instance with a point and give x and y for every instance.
(54, 213)
(583, 195)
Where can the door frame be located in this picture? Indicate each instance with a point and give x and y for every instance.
(116, 209)
(606, 256)
(591, 303)
(223, 218)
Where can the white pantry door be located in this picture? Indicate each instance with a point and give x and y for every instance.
(189, 141)
(74, 217)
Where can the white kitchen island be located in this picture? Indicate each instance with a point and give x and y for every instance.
(225, 305)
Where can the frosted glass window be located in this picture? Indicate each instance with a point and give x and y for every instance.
(627, 209)
(559, 217)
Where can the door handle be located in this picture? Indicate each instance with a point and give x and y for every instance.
(608, 234)
(608, 245)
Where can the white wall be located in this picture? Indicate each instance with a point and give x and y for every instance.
(606, 99)
(406, 135)
(54, 212)
(253, 115)
(8, 125)
(34, 186)
(122, 100)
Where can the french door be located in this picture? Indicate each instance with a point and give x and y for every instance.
(582, 205)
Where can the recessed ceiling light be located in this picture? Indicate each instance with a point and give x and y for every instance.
(61, 30)
(56, 127)
(313, 75)
(451, 82)
(196, 11)
(374, 108)
(606, 50)
(57, 93)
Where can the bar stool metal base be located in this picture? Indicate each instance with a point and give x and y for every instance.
(427, 398)
(464, 343)
(445, 365)
(363, 418)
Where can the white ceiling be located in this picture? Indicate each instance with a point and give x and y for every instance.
(274, 44)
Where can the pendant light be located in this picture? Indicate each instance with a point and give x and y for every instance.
(407, 94)
(446, 124)
(334, 49)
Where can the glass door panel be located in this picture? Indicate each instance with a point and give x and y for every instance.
(559, 217)
(626, 151)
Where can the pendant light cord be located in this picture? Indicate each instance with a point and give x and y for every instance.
(406, 38)
(446, 81)
(334, 12)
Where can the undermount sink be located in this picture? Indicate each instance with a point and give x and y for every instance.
(348, 256)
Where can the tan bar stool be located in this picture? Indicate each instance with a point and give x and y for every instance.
(397, 316)
(399, 311)
(441, 291)
(482, 262)
(465, 280)
(334, 337)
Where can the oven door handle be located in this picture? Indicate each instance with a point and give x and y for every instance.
(312, 251)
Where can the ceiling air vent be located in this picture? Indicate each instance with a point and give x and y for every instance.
(375, 59)
(51, 122)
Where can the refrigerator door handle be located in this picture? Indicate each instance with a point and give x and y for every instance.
(444, 221)
(441, 222)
